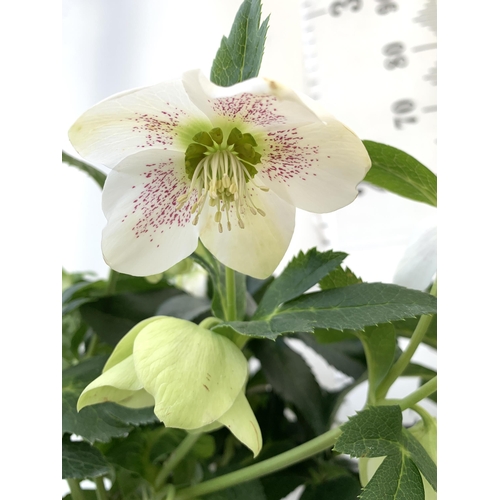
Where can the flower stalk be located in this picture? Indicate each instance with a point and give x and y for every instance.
(231, 313)
(74, 488)
(422, 392)
(286, 459)
(100, 489)
(175, 457)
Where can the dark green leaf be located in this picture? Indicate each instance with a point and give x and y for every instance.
(339, 278)
(251, 490)
(97, 422)
(301, 274)
(129, 486)
(278, 486)
(346, 355)
(349, 308)
(240, 55)
(292, 379)
(377, 432)
(421, 458)
(400, 173)
(81, 460)
(341, 488)
(112, 317)
(133, 452)
(96, 174)
(184, 307)
(397, 478)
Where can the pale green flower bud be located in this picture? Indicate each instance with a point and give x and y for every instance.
(194, 377)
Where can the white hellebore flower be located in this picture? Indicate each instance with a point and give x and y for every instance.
(194, 377)
(228, 165)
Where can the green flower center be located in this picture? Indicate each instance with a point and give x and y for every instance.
(221, 173)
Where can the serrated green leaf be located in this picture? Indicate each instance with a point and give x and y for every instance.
(339, 278)
(421, 458)
(94, 173)
(380, 347)
(301, 274)
(374, 432)
(81, 460)
(400, 173)
(240, 55)
(397, 478)
(291, 378)
(378, 432)
(349, 308)
(99, 422)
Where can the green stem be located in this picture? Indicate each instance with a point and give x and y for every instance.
(176, 456)
(231, 313)
(209, 322)
(112, 279)
(400, 365)
(100, 489)
(74, 488)
(425, 415)
(422, 392)
(302, 452)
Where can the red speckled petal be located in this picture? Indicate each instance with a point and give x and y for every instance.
(157, 117)
(257, 249)
(145, 233)
(253, 105)
(314, 167)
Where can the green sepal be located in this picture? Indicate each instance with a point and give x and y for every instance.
(217, 135)
(234, 136)
(195, 150)
(203, 138)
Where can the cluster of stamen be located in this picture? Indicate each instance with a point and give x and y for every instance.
(221, 174)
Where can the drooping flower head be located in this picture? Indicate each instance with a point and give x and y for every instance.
(194, 377)
(228, 165)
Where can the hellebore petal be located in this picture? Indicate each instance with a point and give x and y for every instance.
(124, 348)
(147, 118)
(261, 244)
(241, 421)
(120, 385)
(146, 234)
(194, 375)
(193, 160)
